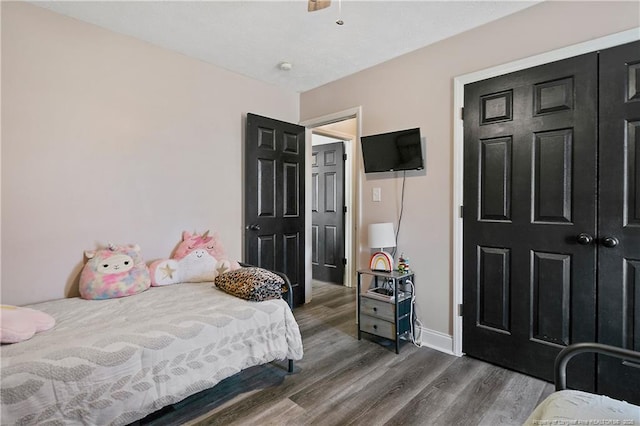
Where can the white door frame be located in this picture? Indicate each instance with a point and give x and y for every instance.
(352, 192)
(458, 144)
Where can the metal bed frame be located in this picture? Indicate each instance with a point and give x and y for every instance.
(289, 299)
(560, 367)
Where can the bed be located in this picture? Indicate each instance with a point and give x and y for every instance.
(112, 362)
(570, 407)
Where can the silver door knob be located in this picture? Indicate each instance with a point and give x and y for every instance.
(610, 242)
(584, 239)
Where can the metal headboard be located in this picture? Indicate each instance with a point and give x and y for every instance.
(560, 368)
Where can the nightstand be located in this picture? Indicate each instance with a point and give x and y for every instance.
(385, 315)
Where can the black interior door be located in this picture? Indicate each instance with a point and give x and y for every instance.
(619, 221)
(274, 198)
(327, 206)
(530, 217)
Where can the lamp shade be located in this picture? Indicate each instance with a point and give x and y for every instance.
(381, 235)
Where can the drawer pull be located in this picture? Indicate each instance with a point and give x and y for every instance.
(375, 327)
(375, 309)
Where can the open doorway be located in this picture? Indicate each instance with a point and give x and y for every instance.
(342, 129)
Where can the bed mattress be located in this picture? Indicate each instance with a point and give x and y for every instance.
(115, 361)
(571, 407)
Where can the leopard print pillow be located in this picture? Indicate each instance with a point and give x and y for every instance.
(255, 284)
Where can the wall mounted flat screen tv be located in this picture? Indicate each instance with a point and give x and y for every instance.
(400, 150)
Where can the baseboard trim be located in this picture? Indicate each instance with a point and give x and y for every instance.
(436, 340)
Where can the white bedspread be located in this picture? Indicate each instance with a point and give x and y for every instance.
(115, 361)
(569, 407)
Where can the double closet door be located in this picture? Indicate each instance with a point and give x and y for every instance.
(552, 217)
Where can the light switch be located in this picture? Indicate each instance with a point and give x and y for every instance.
(377, 194)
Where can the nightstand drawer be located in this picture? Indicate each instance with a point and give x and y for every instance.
(377, 308)
(378, 327)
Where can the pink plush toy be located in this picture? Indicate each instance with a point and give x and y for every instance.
(198, 258)
(117, 271)
(18, 324)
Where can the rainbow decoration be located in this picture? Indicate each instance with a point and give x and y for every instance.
(381, 261)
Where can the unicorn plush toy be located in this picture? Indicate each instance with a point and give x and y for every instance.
(197, 258)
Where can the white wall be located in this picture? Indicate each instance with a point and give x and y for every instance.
(109, 139)
(416, 90)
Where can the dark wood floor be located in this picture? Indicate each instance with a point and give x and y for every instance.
(343, 381)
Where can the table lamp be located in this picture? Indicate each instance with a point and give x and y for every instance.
(381, 235)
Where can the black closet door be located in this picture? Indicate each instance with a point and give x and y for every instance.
(529, 212)
(619, 218)
(531, 188)
(274, 199)
(327, 212)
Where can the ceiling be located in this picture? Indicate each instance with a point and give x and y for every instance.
(253, 37)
